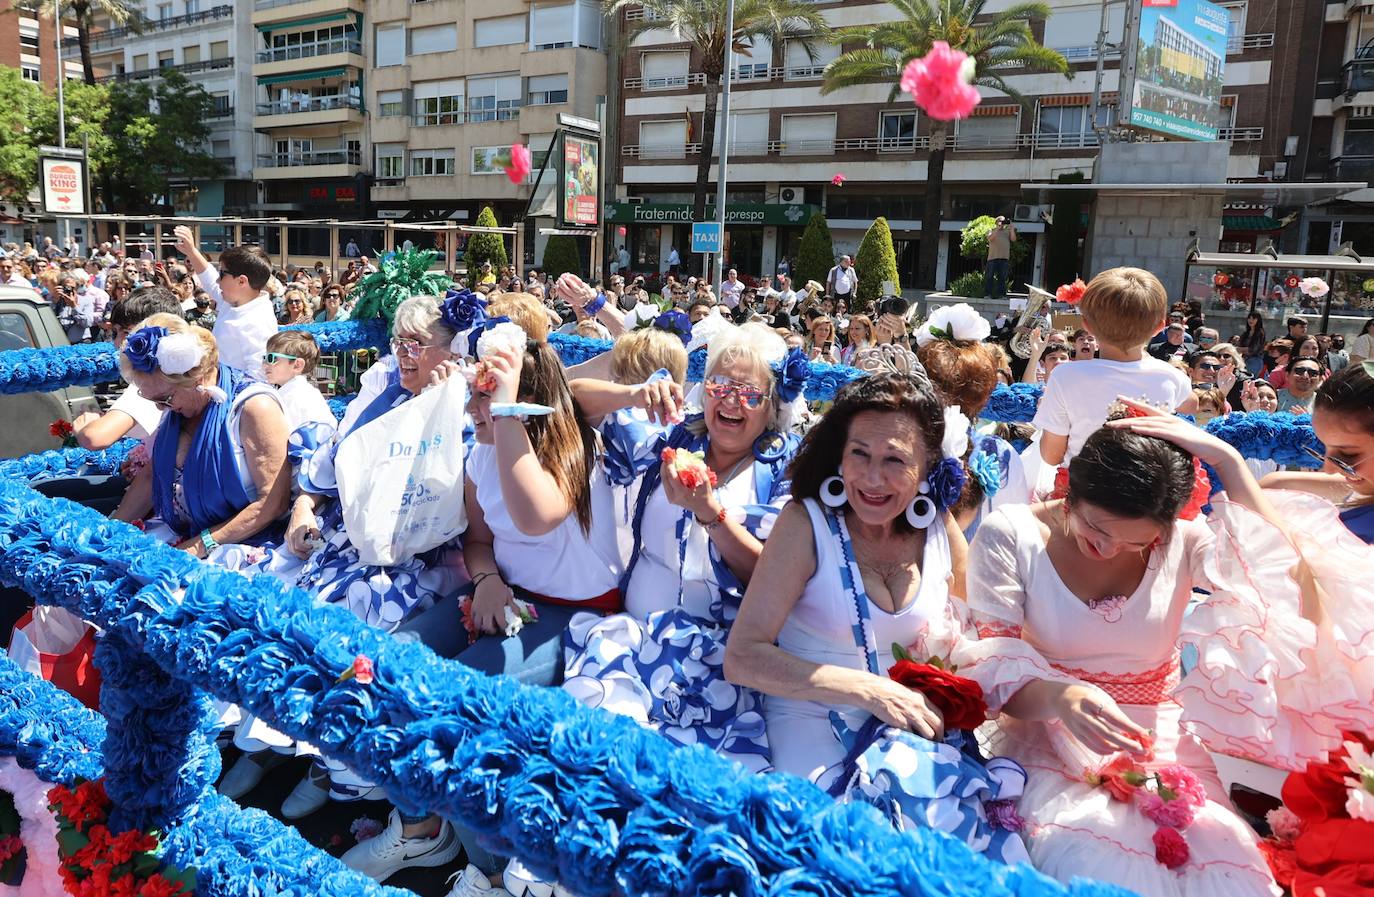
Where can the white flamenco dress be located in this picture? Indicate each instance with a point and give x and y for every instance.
(943, 785)
(1032, 627)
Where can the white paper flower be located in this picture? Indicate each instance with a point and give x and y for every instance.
(954, 322)
(178, 353)
(1314, 287)
(955, 442)
(1360, 804)
(708, 328)
(503, 334)
(1360, 761)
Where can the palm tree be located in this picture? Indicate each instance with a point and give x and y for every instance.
(1000, 43)
(85, 12)
(701, 24)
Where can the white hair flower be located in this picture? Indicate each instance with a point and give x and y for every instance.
(954, 322)
(955, 442)
(503, 334)
(178, 353)
(1314, 287)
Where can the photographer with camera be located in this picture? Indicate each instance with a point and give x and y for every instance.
(998, 268)
(75, 311)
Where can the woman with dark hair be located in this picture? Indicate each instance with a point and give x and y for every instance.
(1252, 342)
(867, 556)
(1363, 347)
(1079, 604)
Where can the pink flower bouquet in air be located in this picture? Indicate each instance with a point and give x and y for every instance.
(941, 82)
(520, 163)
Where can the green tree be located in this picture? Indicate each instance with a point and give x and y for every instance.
(20, 103)
(561, 255)
(973, 241)
(122, 13)
(485, 247)
(1001, 44)
(816, 254)
(701, 24)
(876, 263)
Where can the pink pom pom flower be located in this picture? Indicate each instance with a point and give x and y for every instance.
(838, 180)
(520, 162)
(941, 82)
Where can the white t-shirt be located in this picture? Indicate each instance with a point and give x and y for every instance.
(146, 415)
(844, 279)
(242, 332)
(1079, 395)
(729, 292)
(303, 404)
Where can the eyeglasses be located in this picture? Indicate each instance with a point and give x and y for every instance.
(724, 388)
(1349, 471)
(159, 401)
(408, 348)
(1306, 372)
(274, 357)
(1208, 366)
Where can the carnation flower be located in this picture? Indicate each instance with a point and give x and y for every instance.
(1170, 849)
(941, 82)
(178, 353)
(838, 180)
(1314, 287)
(365, 827)
(1284, 823)
(1002, 814)
(954, 322)
(1072, 293)
(362, 669)
(955, 442)
(1360, 804)
(688, 468)
(1176, 813)
(520, 163)
(1183, 784)
(503, 334)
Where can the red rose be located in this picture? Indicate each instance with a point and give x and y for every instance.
(1281, 859)
(362, 669)
(125, 845)
(157, 886)
(1170, 849)
(1202, 493)
(960, 700)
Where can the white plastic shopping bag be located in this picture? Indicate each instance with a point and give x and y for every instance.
(59, 646)
(401, 477)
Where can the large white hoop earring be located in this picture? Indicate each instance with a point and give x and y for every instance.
(832, 492)
(922, 512)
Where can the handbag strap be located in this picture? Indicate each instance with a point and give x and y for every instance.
(861, 622)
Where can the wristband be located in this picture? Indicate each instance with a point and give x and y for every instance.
(208, 541)
(477, 580)
(521, 410)
(715, 522)
(591, 308)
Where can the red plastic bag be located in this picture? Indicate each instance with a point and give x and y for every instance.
(60, 647)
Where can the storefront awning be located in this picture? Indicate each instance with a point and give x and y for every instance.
(300, 23)
(303, 76)
(1251, 223)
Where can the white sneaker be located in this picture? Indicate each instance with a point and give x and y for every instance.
(247, 773)
(307, 797)
(472, 883)
(381, 857)
(521, 882)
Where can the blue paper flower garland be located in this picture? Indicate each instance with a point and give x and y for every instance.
(43, 370)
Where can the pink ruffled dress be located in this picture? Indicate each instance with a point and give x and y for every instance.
(1031, 626)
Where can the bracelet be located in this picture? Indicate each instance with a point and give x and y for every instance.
(477, 580)
(591, 308)
(713, 523)
(208, 541)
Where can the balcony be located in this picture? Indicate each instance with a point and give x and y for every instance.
(267, 12)
(221, 112)
(112, 37)
(310, 50)
(186, 68)
(1357, 76)
(472, 116)
(674, 82)
(325, 110)
(1235, 45)
(335, 163)
(1351, 169)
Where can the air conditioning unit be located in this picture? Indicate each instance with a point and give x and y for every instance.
(634, 200)
(791, 195)
(1027, 212)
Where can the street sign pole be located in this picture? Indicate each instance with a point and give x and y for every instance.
(723, 127)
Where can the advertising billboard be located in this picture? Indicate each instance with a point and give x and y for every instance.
(581, 199)
(1180, 58)
(64, 184)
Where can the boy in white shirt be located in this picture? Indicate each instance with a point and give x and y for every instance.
(244, 316)
(291, 354)
(1123, 308)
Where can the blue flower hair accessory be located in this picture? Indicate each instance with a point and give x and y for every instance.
(461, 309)
(987, 471)
(141, 348)
(946, 481)
(792, 373)
(675, 322)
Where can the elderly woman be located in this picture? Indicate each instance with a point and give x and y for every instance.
(865, 558)
(332, 305)
(218, 471)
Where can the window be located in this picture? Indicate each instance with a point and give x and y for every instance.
(1235, 24)
(192, 7)
(221, 149)
(808, 135)
(14, 332)
(439, 102)
(391, 45)
(431, 163)
(800, 65)
(391, 102)
(546, 90)
(191, 53)
(1226, 117)
(139, 62)
(499, 31)
(551, 26)
(589, 22)
(434, 39)
(219, 49)
(663, 139)
(391, 161)
(491, 159)
(748, 133)
(164, 59)
(30, 72)
(1073, 32)
(896, 131)
(664, 69)
(28, 35)
(987, 132)
(164, 11)
(1071, 126)
(493, 98)
(755, 66)
(223, 103)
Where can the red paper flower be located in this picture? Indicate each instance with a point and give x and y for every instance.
(1282, 860)
(485, 381)
(1170, 849)
(1071, 292)
(362, 669)
(1202, 493)
(688, 468)
(157, 886)
(124, 845)
(940, 82)
(60, 428)
(838, 180)
(958, 699)
(9, 846)
(520, 163)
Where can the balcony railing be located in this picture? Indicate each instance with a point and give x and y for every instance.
(1351, 168)
(273, 4)
(309, 157)
(310, 104)
(473, 116)
(1356, 76)
(221, 112)
(1234, 45)
(673, 82)
(102, 39)
(186, 68)
(314, 48)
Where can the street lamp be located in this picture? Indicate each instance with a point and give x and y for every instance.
(723, 128)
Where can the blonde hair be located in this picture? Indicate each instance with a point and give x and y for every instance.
(760, 346)
(525, 310)
(1124, 307)
(1230, 353)
(297, 343)
(177, 324)
(637, 354)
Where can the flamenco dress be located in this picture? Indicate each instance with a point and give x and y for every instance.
(945, 785)
(1032, 627)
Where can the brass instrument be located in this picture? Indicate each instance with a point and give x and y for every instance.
(1037, 301)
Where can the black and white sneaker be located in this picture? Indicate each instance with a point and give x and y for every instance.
(383, 856)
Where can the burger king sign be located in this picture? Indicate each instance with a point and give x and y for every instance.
(64, 187)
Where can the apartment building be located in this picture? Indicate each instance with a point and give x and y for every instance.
(454, 83)
(201, 39)
(29, 44)
(788, 140)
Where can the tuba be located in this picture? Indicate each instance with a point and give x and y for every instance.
(1037, 301)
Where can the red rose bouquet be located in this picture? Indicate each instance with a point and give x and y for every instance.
(959, 700)
(689, 468)
(63, 430)
(1071, 293)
